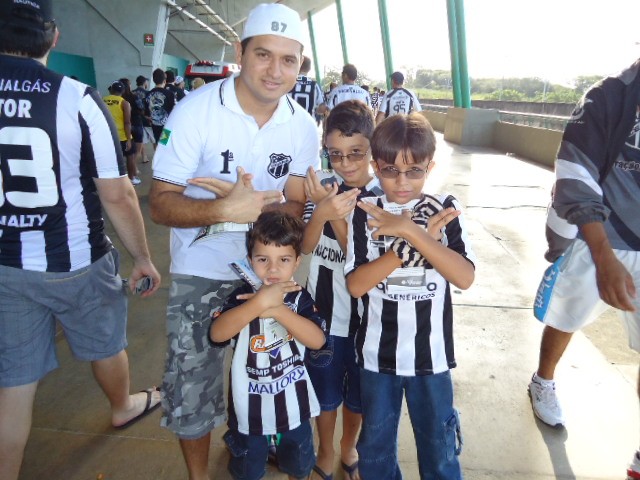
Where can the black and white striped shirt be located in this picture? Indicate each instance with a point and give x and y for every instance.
(56, 136)
(399, 100)
(307, 93)
(326, 282)
(270, 389)
(407, 325)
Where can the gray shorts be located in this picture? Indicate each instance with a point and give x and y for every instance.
(90, 304)
(193, 383)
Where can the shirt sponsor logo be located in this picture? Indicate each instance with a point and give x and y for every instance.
(328, 253)
(277, 386)
(22, 221)
(278, 165)
(164, 138)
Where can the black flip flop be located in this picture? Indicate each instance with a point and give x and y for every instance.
(147, 409)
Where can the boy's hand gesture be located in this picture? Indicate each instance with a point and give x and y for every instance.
(437, 222)
(271, 296)
(336, 206)
(386, 223)
(313, 189)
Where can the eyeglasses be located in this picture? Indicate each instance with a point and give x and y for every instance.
(414, 173)
(335, 157)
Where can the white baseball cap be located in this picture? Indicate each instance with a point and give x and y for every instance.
(273, 19)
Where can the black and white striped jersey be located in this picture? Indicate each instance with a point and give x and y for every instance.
(326, 282)
(56, 136)
(307, 93)
(399, 100)
(270, 390)
(407, 324)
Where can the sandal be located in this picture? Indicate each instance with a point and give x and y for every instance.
(321, 474)
(350, 470)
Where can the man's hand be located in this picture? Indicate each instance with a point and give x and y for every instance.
(243, 203)
(144, 268)
(615, 284)
(313, 189)
(221, 188)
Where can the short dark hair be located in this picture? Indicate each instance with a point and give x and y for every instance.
(349, 118)
(159, 76)
(403, 133)
(305, 66)
(140, 79)
(171, 77)
(350, 71)
(278, 228)
(31, 42)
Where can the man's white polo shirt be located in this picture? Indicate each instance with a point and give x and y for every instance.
(208, 135)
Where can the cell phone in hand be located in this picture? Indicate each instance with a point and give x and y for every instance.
(142, 285)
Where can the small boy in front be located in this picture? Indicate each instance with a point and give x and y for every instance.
(333, 370)
(404, 249)
(270, 391)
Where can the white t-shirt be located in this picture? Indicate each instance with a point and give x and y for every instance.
(209, 135)
(348, 92)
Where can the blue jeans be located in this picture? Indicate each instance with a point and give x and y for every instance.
(435, 425)
(335, 374)
(248, 453)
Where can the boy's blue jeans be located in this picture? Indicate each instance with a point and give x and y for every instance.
(434, 420)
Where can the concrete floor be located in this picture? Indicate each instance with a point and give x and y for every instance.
(497, 343)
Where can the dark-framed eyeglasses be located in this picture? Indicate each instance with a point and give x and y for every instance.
(354, 157)
(413, 173)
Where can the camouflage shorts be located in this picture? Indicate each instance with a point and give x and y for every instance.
(193, 382)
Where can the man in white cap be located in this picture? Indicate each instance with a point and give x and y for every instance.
(62, 166)
(247, 142)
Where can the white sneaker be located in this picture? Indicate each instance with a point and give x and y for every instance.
(545, 402)
(136, 181)
(633, 472)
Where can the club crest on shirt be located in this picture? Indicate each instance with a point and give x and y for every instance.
(278, 165)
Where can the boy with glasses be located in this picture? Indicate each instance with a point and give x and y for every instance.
(403, 251)
(333, 369)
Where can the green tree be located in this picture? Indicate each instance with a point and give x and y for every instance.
(582, 83)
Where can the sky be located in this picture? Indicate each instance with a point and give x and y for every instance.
(554, 40)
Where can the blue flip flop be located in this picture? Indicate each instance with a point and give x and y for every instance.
(321, 474)
(349, 470)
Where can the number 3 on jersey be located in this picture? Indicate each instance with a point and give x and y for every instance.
(26, 152)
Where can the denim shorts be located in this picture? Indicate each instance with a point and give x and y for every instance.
(193, 382)
(89, 303)
(335, 375)
(435, 422)
(248, 453)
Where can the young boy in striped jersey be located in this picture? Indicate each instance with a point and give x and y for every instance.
(403, 251)
(270, 391)
(333, 370)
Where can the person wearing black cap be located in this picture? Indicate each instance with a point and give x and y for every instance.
(398, 100)
(61, 164)
(120, 110)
